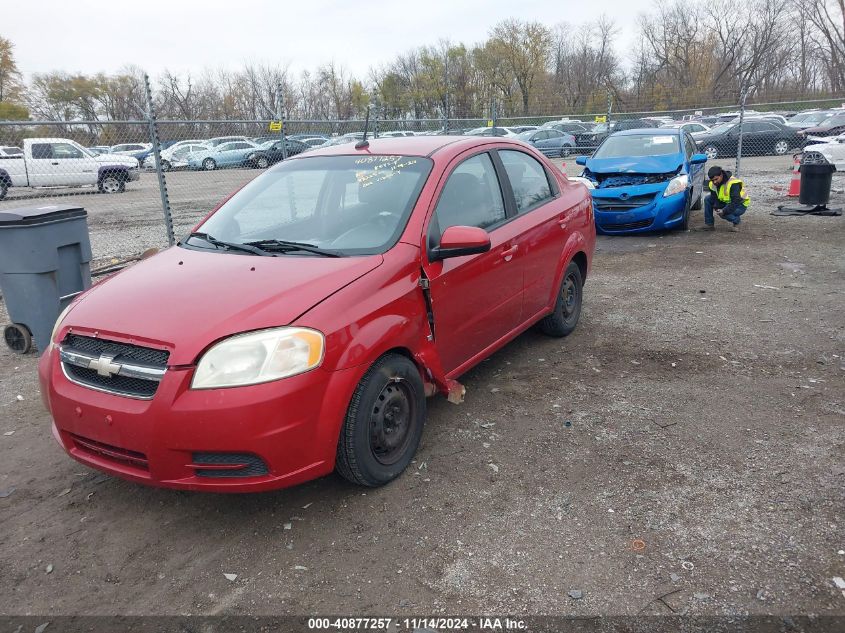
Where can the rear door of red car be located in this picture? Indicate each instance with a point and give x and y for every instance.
(476, 299)
(542, 224)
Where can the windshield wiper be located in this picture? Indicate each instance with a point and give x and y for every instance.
(285, 246)
(234, 246)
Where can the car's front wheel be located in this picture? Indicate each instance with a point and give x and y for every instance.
(564, 318)
(209, 164)
(712, 152)
(262, 163)
(112, 183)
(383, 424)
(564, 151)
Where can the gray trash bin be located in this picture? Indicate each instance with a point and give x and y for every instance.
(45, 261)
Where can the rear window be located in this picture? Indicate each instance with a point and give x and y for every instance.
(638, 145)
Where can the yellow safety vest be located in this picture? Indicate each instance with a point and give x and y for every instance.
(724, 191)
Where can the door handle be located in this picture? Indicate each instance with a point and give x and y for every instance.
(54, 163)
(509, 253)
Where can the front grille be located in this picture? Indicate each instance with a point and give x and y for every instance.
(628, 226)
(121, 351)
(113, 453)
(252, 465)
(623, 204)
(120, 385)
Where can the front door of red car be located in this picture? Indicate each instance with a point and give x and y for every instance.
(476, 299)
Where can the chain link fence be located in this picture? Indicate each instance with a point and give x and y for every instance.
(145, 182)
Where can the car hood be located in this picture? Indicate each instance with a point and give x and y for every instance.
(185, 299)
(636, 165)
(116, 159)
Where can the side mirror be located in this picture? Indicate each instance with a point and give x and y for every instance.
(461, 240)
(581, 160)
(698, 159)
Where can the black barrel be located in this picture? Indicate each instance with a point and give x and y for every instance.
(815, 183)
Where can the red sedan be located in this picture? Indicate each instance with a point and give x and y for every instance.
(302, 324)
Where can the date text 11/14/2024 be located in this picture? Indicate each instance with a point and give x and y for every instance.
(416, 623)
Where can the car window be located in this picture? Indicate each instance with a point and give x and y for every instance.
(471, 197)
(240, 145)
(528, 179)
(554, 134)
(689, 146)
(65, 151)
(225, 147)
(42, 150)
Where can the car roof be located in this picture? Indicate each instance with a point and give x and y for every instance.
(652, 131)
(414, 145)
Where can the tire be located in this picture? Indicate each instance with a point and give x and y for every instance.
(18, 338)
(165, 165)
(685, 222)
(209, 164)
(564, 318)
(565, 151)
(112, 183)
(262, 163)
(781, 147)
(4, 189)
(390, 399)
(697, 204)
(712, 152)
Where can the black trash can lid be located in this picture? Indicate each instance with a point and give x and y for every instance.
(29, 216)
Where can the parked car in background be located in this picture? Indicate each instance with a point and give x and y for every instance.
(833, 125)
(645, 180)
(99, 149)
(271, 153)
(11, 152)
(549, 141)
(569, 127)
(211, 157)
(395, 133)
(692, 127)
(138, 151)
(811, 118)
(312, 141)
(311, 135)
(831, 151)
(519, 129)
(176, 156)
(218, 140)
(758, 138)
(300, 327)
(61, 162)
(490, 131)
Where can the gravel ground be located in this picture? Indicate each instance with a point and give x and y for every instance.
(681, 452)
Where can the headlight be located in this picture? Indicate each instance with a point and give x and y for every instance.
(250, 157)
(677, 185)
(58, 323)
(256, 357)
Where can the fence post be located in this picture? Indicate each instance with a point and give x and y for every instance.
(742, 97)
(493, 112)
(609, 106)
(162, 183)
(377, 108)
(280, 116)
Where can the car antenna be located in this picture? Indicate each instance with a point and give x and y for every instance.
(364, 142)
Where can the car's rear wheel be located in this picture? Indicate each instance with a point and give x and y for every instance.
(4, 189)
(564, 151)
(564, 318)
(687, 206)
(383, 424)
(209, 164)
(712, 152)
(781, 147)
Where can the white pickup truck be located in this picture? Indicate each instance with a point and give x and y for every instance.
(60, 162)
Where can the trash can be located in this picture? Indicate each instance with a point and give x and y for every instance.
(816, 179)
(45, 261)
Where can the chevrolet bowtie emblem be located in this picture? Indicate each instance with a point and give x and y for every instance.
(105, 365)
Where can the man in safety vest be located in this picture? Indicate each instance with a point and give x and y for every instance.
(727, 196)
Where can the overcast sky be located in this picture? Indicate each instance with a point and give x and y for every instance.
(187, 35)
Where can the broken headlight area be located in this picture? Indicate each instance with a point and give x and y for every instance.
(604, 181)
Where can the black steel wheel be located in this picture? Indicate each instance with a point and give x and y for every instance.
(383, 424)
(564, 318)
(18, 338)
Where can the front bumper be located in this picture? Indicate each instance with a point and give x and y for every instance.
(659, 213)
(133, 173)
(288, 428)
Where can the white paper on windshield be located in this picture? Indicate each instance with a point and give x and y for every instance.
(662, 140)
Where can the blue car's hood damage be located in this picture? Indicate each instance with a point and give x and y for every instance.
(640, 170)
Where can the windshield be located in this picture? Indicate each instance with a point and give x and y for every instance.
(638, 145)
(836, 119)
(524, 136)
(350, 205)
(721, 128)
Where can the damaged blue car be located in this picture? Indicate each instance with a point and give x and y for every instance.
(644, 180)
